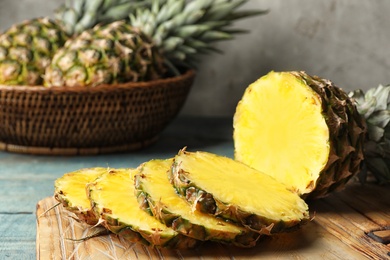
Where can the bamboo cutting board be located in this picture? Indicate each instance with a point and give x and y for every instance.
(338, 231)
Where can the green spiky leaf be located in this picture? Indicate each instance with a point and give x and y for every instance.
(374, 106)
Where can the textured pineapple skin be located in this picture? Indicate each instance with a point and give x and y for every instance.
(150, 236)
(347, 131)
(26, 50)
(167, 215)
(107, 54)
(347, 135)
(87, 216)
(206, 202)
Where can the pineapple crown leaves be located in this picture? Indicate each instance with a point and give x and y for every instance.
(182, 29)
(374, 106)
(79, 15)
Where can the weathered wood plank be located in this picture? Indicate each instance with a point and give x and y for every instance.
(349, 227)
(338, 231)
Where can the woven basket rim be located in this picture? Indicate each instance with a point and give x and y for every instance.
(103, 87)
(70, 151)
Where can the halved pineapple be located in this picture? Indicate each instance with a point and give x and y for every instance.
(232, 190)
(70, 190)
(155, 190)
(113, 199)
(302, 130)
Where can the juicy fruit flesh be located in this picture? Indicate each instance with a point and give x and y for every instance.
(279, 129)
(73, 186)
(156, 183)
(237, 184)
(113, 194)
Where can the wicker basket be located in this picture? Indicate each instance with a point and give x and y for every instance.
(104, 119)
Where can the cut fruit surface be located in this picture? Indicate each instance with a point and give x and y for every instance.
(232, 190)
(302, 130)
(113, 199)
(70, 190)
(154, 187)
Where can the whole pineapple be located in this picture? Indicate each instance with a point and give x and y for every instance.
(374, 105)
(302, 130)
(171, 33)
(27, 48)
(112, 53)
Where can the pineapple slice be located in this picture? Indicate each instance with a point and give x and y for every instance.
(232, 190)
(113, 199)
(70, 190)
(302, 130)
(157, 194)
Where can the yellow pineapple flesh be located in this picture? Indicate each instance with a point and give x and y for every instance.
(232, 190)
(286, 131)
(153, 186)
(70, 190)
(113, 199)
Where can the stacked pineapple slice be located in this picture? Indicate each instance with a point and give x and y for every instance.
(158, 196)
(150, 205)
(124, 217)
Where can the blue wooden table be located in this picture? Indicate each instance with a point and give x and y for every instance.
(26, 179)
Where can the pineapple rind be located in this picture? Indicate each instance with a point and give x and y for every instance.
(347, 134)
(210, 203)
(117, 186)
(189, 224)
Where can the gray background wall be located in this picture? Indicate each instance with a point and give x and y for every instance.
(346, 41)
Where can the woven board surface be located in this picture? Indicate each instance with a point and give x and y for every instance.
(338, 231)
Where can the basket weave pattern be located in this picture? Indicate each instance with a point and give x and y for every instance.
(107, 118)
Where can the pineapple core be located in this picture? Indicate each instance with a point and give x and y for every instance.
(280, 130)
